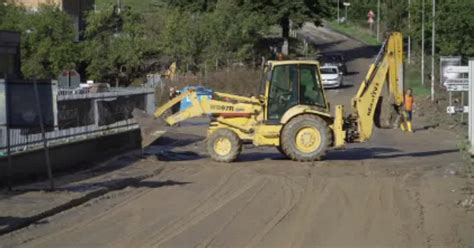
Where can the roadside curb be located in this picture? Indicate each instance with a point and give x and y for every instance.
(79, 201)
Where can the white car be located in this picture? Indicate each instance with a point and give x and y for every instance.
(331, 77)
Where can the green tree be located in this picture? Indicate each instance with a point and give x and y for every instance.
(115, 45)
(228, 32)
(183, 37)
(47, 39)
(395, 15)
(192, 5)
(233, 31)
(11, 17)
(298, 11)
(273, 12)
(359, 9)
(455, 28)
(48, 45)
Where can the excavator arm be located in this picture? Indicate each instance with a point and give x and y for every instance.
(388, 68)
(238, 112)
(224, 105)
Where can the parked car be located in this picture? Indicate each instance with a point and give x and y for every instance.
(331, 77)
(333, 59)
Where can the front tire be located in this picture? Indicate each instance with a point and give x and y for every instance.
(306, 138)
(223, 145)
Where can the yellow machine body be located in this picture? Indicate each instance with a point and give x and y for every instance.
(243, 115)
(257, 120)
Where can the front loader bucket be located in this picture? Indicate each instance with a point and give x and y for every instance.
(150, 128)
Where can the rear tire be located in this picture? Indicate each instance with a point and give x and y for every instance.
(223, 145)
(306, 138)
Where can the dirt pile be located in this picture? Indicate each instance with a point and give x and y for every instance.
(434, 115)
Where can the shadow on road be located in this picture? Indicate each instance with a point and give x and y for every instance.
(380, 153)
(166, 155)
(365, 51)
(173, 139)
(9, 222)
(114, 184)
(351, 73)
(326, 46)
(122, 183)
(344, 86)
(348, 155)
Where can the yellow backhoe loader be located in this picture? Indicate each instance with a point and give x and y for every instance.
(292, 112)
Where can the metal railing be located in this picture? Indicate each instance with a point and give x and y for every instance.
(28, 139)
(84, 93)
(20, 142)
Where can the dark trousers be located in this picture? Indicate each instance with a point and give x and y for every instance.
(409, 115)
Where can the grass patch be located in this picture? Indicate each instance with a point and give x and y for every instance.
(413, 81)
(354, 30)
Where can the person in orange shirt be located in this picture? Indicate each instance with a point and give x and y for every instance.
(408, 111)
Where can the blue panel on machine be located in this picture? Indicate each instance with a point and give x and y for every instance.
(202, 92)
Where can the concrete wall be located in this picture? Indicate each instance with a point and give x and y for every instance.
(31, 165)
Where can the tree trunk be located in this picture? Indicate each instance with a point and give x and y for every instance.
(285, 27)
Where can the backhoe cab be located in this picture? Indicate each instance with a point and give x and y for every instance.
(292, 112)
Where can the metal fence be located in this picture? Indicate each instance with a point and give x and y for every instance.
(79, 114)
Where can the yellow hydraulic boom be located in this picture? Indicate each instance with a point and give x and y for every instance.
(388, 67)
(223, 105)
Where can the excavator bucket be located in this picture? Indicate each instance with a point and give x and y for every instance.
(150, 128)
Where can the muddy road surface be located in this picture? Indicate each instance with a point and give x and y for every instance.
(398, 190)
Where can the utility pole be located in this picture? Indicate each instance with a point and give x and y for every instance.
(378, 20)
(433, 50)
(345, 5)
(338, 9)
(49, 169)
(422, 42)
(119, 7)
(409, 31)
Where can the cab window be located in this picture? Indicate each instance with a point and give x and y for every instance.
(311, 92)
(283, 90)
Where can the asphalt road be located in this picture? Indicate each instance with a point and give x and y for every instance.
(398, 190)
